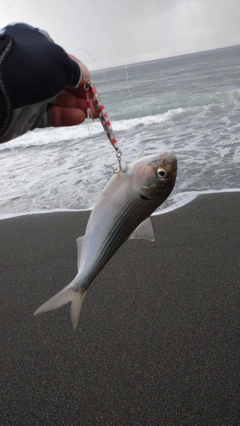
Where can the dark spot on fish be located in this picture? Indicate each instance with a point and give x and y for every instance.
(143, 197)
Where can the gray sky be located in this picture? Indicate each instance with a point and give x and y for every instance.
(116, 32)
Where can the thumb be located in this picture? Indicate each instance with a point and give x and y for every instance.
(85, 73)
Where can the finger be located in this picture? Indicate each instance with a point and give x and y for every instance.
(63, 116)
(79, 92)
(68, 98)
(76, 98)
(85, 73)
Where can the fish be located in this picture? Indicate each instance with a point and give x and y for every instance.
(121, 212)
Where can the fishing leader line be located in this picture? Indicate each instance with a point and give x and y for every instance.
(8, 7)
(102, 113)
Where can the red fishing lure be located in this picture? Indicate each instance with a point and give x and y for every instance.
(102, 113)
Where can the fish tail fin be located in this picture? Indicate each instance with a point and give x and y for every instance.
(76, 307)
(67, 294)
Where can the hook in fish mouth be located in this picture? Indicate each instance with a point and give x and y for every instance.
(116, 171)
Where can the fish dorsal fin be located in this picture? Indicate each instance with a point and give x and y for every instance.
(141, 153)
(79, 250)
(144, 231)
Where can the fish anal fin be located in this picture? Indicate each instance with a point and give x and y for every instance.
(144, 231)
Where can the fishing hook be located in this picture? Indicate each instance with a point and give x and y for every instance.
(119, 157)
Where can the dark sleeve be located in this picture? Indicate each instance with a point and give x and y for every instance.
(32, 68)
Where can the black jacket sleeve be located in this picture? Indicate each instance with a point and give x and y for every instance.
(33, 71)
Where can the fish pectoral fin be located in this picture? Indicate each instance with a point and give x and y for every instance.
(144, 231)
(79, 250)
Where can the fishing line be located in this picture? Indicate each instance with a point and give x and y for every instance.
(102, 113)
(98, 65)
(127, 83)
(103, 73)
(127, 77)
(8, 7)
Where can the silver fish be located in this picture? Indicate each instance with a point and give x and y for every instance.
(122, 211)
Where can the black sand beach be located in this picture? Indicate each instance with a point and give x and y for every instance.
(158, 337)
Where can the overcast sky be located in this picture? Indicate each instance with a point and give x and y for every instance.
(116, 32)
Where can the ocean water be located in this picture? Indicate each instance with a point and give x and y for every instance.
(188, 105)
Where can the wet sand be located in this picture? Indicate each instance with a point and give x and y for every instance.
(158, 337)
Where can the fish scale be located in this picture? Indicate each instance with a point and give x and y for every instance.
(117, 235)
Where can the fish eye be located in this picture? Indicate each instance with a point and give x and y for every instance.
(161, 172)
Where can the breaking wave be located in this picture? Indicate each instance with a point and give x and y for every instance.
(188, 105)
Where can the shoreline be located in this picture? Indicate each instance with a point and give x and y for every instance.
(191, 196)
(158, 336)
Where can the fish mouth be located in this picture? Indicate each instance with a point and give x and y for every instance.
(168, 157)
(169, 163)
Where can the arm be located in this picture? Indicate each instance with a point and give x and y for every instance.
(40, 84)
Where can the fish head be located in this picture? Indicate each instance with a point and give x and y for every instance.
(154, 176)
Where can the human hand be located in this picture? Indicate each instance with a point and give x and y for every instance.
(70, 106)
